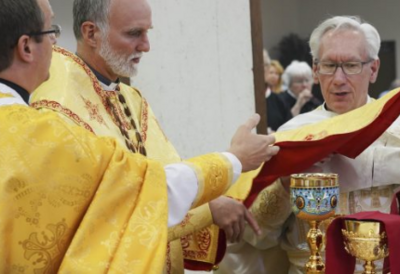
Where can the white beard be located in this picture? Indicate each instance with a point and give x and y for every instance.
(120, 64)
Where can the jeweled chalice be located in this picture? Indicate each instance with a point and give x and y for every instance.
(314, 198)
(365, 240)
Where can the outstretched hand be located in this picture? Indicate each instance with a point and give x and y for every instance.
(250, 148)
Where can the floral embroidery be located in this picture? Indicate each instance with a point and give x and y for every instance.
(93, 110)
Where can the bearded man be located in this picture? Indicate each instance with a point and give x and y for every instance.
(85, 89)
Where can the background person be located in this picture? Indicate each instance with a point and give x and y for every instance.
(345, 53)
(299, 80)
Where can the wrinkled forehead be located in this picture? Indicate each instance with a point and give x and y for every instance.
(343, 44)
(130, 13)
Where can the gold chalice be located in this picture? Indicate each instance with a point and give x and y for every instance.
(364, 240)
(314, 198)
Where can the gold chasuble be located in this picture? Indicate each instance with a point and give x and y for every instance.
(71, 202)
(74, 203)
(76, 94)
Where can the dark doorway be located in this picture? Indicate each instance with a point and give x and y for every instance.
(387, 71)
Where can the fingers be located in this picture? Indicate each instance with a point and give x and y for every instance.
(270, 139)
(228, 233)
(252, 222)
(253, 121)
(236, 232)
(238, 226)
(273, 150)
(242, 224)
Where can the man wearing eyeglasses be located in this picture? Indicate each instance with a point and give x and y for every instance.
(345, 53)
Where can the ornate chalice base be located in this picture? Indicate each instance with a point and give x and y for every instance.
(364, 240)
(314, 198)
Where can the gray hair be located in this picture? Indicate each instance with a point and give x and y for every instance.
(95, 11)
(372, 38)
(17, 17)
(295, 69)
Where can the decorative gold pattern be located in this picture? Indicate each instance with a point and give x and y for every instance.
(202, 240)
(47, 250)
(318, 136)
(212, 171)
(87, 174)
(145, 120)
(93, 110)
(266, 206)
(364, 240)
(302, 188)
(99, 90)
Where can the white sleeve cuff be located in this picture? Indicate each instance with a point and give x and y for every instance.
(182, 191)
(183, 186)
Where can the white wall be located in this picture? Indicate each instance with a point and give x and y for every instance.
(198, 75)
(63, 16)
(280, 17)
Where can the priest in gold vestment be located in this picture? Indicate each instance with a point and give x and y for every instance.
(71, 202)
(85, 90)
(345, 52)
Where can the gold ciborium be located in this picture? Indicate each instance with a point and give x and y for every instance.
(314, 197)
(364, 240)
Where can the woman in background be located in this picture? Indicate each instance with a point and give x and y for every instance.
(298, 97)
(273, 76)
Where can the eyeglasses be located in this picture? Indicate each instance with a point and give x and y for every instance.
(349, 68)
(55, 29)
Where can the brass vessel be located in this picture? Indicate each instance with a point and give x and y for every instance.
(365, 240)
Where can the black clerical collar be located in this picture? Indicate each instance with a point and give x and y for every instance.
(21, 91)
(100, 77)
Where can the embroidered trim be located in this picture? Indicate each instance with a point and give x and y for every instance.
(104, 95)
(203, 240)
(59, 108)
(96, 84)
(168, 264)
(144, 119)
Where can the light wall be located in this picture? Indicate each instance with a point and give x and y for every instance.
(63, 16)
(198, 75)
(280, 17)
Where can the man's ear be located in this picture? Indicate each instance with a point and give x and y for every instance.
(90, 33)
(25, 47)
(315, 74)
(374, 70)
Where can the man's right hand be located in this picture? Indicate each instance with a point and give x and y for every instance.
(252, 149)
